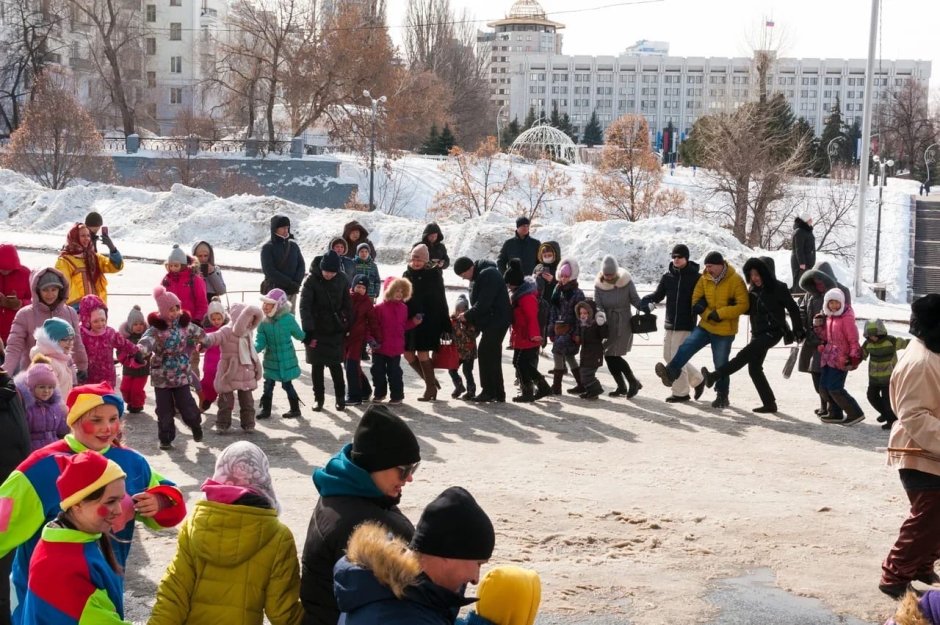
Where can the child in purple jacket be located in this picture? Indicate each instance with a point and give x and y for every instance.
(45, 409)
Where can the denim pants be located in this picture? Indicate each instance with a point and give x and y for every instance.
(287, 385)
(721, 350)
(832, 382)
(357, 384)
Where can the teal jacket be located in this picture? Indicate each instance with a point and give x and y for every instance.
(274, 339)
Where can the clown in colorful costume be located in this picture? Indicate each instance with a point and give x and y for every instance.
(73, 576)
(28, 498)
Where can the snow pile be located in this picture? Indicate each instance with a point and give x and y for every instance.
(185, 215)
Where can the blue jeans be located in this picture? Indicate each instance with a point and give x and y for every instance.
(832, 382)
(287, 385)
(721, 351)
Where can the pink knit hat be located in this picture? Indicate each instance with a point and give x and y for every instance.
(40, 372)
(87, 305)
(165, 300)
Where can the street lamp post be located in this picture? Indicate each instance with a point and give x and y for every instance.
(829, 151)
(375, 112)
(930, 155)
(499, 114)
(881, 183)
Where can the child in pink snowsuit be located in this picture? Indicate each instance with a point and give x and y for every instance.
(841, 353)
(215, 319)
(100, 341)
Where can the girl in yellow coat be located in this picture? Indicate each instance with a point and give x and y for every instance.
(235, 562)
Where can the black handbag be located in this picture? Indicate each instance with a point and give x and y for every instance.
(644, 323)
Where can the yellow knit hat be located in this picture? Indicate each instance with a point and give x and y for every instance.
(510, 595)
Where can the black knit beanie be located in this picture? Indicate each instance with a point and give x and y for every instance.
(454, 526)
(681, 250)
(330, 262)
(382, 441)
(93, 220)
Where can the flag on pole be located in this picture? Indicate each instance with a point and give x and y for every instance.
(770, 24)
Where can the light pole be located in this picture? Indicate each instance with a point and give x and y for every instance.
(499, 115)
(375, 112)
(930, 155)
(881, 183)
(829, 151)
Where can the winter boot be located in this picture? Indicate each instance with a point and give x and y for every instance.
(416, 365)
(265, 407)
(578, 389)
(526, 393)
(557, 378)
(592, 391)
(709, 378)
(613, 365)
(542, 389)
(721, 401)
(459, 388)
(634, 384)
(294, 411)
(430, 382)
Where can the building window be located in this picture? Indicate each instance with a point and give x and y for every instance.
(582, 78)
(151, 13)
(809, 80)
(627, 90)
(176, 31)
(605, 91)
(559, 77)
(176, 95)
(694, 80)
(649, 78)
(605, 78)
(151, 45)
(628, 78)
(717, 80)
(176, 65)
(151, 79)
(537, 77)
(176, 3)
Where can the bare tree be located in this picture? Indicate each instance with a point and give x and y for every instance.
(441, 41)
(545, 186)
(114, 43)
(835, 224)
(908, 125)
(629, 174)
(477, 182)
(57, 141)
(28, 45)
(751, 157)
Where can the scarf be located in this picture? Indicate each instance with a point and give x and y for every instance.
(73, 247)
(246, 351)
(721, 276)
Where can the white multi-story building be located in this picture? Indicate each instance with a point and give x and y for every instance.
(525, 30)
(166, 68)
(678, 90)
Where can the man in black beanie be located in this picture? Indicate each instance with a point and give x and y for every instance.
(282, 262)
(915, 397)
(676, 286)
(520, 245)
(363, 482)
(491, 313)
(94, 222)
(453, 539)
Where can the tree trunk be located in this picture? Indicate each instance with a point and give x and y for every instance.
(117, 88)
(740, 209)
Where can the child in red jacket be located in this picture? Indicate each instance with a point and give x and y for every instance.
(363, 330)
(525, 337)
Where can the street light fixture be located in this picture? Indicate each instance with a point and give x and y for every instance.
(930, 156)
(881, 183)
(829, 150)
(375, 112)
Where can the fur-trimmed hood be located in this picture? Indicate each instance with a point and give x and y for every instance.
(575, 268)
(527, 287)
(393, 565)
(29, 400)
(245, 318)
(398, 284)
(623, 279)
(154, 319)
(798, 223)
(765, 268)
(823, 272)
(834, 294)
(590, 305)
(546, 246)
(34, 284)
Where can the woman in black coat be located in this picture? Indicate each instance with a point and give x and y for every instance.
(433, 238)
(803, 254)
(429, 303)
(325, 312)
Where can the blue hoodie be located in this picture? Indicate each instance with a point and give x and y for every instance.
(343, 478)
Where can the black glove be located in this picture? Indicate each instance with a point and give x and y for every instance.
(713, 316)
(700, 306)
(644, 306)
(140, 359)
(106, 239)
(81, 376)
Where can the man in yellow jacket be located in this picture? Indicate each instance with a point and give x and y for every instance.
(720, 297)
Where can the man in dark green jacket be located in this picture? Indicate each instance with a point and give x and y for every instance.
(363, 482)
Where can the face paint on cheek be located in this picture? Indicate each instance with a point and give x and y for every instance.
(103, 511)
(88, 427)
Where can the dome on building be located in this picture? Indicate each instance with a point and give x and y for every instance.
(545, 141)
(526, 9)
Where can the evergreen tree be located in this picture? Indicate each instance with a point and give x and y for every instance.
(853, 134)
(446, 141)
(555, 119)
(509, 133)
(567, 128)
(593, 135)
(530, 118)
(432, 143)
(832, 131)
